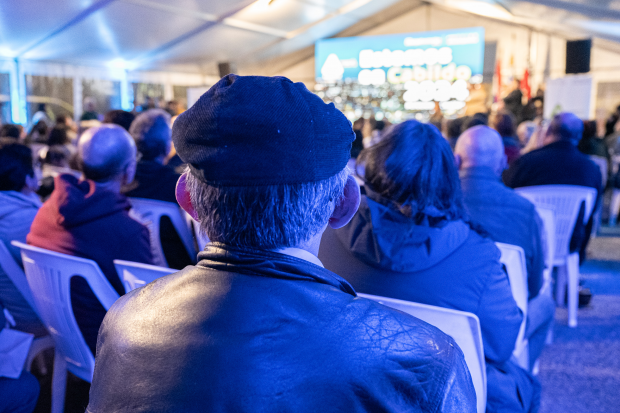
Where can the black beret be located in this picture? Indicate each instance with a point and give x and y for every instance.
(254, 130)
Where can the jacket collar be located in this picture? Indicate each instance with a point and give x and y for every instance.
(565, 145)
(479, 172)
(223, 257)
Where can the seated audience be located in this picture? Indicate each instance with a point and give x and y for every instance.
(453, 130)
(560, 163)
(18, 206)
(55, 160)
(259, 324)
(504, 124)
(38, 133)
(155, 180)
(12, 132)
(119, 117)
(59, 136)
(590, 143)
(475, 120)
(410, 240)
(525, 131)
(507, 217)
(90, 218)
(67, 122)
(17, 395)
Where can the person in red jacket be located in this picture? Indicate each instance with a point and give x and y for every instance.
(89, 218)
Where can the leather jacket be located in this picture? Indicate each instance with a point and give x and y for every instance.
(259, 331)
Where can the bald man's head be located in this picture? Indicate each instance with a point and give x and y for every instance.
(107, 153)
(480, 146)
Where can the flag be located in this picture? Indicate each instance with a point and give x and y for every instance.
(525, 84)
(498, 76)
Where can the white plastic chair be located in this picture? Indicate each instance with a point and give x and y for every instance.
(463, 327)
(547, 216)
(151, 212)
(136, 275)
(49, 276)
(513, 258)
(16, 275)
(566, 201)
(614, 207)
(18, 278)
(601, 162)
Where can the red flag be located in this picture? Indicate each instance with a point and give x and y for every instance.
(525, 84)
(498, 76)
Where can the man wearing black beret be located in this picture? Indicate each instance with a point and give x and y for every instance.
(258, 325)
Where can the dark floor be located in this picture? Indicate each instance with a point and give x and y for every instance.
(580, 371)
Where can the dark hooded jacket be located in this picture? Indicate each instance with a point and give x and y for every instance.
(83, 220)
(384, 253)
(258, 331)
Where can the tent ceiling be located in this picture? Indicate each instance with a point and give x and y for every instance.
(193, 35)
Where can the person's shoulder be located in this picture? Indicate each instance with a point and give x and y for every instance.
(156, 296)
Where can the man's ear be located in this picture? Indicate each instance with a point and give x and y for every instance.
(458, 161)
(344, 211)
(183, 197)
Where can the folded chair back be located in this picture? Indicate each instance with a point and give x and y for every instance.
(566, 201)
(136, 275)
(151, 212)
(513, 259)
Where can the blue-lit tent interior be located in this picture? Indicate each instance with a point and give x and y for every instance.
(123, 50)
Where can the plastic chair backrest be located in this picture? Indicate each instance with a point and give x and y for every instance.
(615, 164)
(603, 165)
(566, 201)
(463, 327)
(136, 275)
(513, 258)
(547, 216)
(151, 212)
(49, 276)
(16, 275)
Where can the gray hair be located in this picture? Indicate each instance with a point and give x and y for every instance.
(151, 131)
(266, 217)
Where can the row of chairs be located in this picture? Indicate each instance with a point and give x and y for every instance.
(49, 273)
(48, 276)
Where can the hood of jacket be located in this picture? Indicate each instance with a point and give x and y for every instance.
(384, 238)
(13, 201)
(76, 202)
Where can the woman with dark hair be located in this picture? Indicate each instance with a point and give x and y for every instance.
(59, 136)
(411, 240)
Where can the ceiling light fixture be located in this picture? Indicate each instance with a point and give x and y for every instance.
(270, 2)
